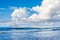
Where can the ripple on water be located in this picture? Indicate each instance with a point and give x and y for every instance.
(29, 35)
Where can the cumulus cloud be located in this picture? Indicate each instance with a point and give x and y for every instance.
(19, 14)
(48, 11)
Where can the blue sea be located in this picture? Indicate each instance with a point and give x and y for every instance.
(7, 33)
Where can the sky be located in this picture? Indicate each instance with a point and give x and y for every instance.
(32, 13)
(8, 6)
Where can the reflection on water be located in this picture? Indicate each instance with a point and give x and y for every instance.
(29, 34)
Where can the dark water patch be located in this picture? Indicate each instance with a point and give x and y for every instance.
(38, 29)
(5, 28)
(26, 28)
(9, 28)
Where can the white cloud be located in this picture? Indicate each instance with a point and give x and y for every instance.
(19, 14)
(12, 7)
(4, 24)
(49, 10)
(2, 8)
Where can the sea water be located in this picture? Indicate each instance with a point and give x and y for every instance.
(29, 34)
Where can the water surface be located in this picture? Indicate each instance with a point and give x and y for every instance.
(29, 34)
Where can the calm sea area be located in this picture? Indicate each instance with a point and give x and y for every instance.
(29, 34)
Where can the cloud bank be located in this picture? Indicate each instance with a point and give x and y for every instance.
(48, 11)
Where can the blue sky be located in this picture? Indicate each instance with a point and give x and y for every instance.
(5, 12)
(31, 11)
(19, 3)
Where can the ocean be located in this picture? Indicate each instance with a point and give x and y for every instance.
(7, 33)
